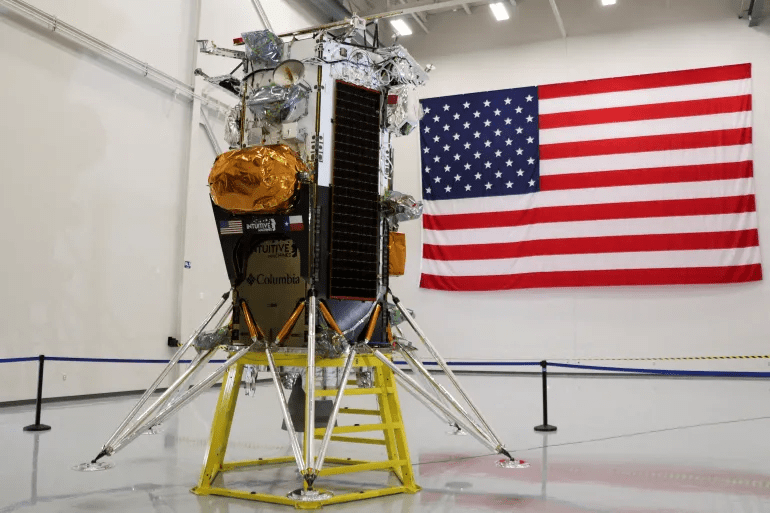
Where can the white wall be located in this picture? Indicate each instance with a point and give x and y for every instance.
(619, 322)
(93, 160)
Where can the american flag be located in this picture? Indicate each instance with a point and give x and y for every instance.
(230, 227)
(641, 180)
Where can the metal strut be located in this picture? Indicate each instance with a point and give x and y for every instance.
(310, 472)
(107, 448)
(433, 404)
(341, 383)
(188, 396)
(451, 376)
(416, 365)
(257, 335)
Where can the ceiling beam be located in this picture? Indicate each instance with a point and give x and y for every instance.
(422, 25)
(444, 4)
(418, 18)
(559, 21)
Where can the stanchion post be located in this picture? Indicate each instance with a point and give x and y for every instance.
(37, 426)
(545, 426)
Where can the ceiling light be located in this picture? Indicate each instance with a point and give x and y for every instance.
(401, 27)
(608, 2)
(499, 11)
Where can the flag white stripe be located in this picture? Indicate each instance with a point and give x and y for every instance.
(595, 262)
(602, 228)
(645, 96)
(648, 159)
(602, 195)
(727, 121)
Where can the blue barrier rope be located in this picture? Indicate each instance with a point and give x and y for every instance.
(665, 372)
(102, 360)
(481, 364)
(734, 374)
(24, 359)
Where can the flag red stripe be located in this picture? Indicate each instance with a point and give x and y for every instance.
(592, 245)
(653, 80)
(674, 174)
(630, 210)
(606, 278)
(666, 142)
(642, 112)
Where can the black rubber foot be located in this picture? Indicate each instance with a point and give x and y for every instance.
(545, 427)
(37, 427)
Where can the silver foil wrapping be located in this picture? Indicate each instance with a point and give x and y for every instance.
(276, 104)
(233, 126)
(364, 377)
(263, 48)
(358, 73)
(211, 339)
(250, 373)
(288, 376)
(396, 317)
(401, 207)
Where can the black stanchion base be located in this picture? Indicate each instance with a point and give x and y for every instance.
(545, 427)
(37, 427)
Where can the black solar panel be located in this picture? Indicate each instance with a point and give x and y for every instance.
(355, 195)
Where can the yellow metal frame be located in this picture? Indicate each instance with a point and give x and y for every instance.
(390, 424)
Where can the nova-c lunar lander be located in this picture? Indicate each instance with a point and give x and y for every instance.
(307, 220)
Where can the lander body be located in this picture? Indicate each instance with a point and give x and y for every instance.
(307, 220)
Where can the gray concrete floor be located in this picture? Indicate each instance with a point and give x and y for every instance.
(622, 445)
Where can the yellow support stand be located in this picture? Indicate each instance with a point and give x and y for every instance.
(389, 423)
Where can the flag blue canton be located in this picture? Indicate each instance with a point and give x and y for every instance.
(480, 144)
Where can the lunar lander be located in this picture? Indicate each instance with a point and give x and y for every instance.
(307, 220)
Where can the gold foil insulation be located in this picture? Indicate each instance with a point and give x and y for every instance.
(397, 253)
(259, 179)
(254, 330)
(290, 323)
(372, 323)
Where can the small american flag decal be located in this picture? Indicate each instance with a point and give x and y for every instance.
(230, 227)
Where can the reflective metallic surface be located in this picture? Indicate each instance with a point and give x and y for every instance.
(633, 445)
(259, 179)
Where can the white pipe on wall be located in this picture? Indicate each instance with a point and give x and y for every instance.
(117, 56)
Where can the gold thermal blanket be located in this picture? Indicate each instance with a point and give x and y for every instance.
(259, 179)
